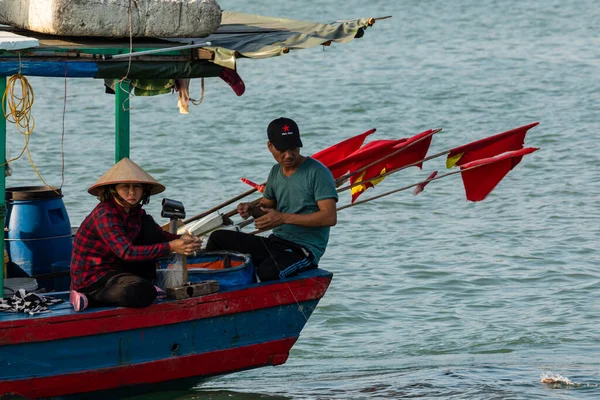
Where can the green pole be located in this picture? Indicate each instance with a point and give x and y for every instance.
(2, 182)
(122, 120)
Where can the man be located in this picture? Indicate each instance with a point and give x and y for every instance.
(299, 205)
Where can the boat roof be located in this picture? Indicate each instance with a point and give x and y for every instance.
(240, 35)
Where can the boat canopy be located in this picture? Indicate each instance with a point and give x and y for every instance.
(240, 35)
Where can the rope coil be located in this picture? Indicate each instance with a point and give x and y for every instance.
(17, 103)
(17, 108)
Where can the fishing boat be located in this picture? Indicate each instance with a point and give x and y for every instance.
(109, 352)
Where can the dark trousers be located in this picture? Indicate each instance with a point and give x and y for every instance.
(273, 257)
(123, 290)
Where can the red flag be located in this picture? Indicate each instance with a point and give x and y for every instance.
(421, 186)
(489, 147)
(365, 155)
(342, 149)
(260, 188)
(419, 145)
(479, 182)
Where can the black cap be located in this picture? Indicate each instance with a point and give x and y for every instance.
(284, 134)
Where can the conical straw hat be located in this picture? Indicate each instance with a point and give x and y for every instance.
(126, 171)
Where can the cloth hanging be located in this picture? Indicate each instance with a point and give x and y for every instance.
(29, 303)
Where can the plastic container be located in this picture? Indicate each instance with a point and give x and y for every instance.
(229, 269)
(39, 232)
(12, 285)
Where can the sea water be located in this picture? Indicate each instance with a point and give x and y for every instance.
(432, 296)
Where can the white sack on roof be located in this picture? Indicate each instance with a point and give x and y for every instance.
(110, 18)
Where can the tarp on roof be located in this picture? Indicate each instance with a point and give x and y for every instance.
(257, 36)
(239, 35)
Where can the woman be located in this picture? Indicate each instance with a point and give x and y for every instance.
(117, 245)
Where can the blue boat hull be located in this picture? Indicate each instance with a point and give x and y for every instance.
(189, 340)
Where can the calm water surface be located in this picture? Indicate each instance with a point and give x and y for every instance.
(433, 296)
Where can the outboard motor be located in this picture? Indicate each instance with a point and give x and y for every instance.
(174, 210)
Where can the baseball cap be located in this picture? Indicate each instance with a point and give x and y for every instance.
(284, 134)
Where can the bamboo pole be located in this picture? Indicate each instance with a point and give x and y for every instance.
(218, 207)
(413, 185)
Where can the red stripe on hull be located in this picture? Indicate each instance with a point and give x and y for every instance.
(201, 365)
(121, 319)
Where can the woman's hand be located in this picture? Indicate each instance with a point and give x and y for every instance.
(187, 245)
(187, 236)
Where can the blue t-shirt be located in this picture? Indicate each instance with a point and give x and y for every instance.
(299, 194)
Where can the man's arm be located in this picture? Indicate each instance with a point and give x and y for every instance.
(326, 216)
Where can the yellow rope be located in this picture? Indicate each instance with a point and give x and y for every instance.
(19, 107)
(17, 103)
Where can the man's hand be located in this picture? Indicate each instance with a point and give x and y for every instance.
(244, 210)
(270, 220)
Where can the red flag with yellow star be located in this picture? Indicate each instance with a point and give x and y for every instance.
(341, 150)
(415, 150)
(367, 154)
(480, 177)
(489, 147)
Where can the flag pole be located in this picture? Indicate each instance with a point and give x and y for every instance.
(425, 182)
(216, 208)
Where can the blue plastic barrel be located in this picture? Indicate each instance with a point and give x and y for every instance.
(39, 233)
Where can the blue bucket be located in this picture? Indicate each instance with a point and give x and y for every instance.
(228, 268)
(39, 233)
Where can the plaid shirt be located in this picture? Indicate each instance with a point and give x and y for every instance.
(104, 240)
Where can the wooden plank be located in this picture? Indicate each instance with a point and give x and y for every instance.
(204, 54)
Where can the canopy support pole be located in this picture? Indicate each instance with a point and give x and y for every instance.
(2, 182)
(122, 94)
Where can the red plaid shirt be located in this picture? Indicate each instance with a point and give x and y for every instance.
(105, 238)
